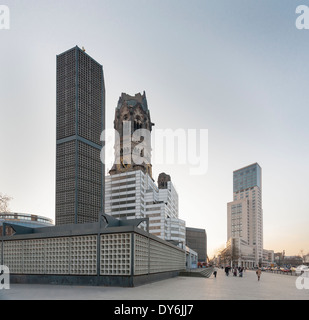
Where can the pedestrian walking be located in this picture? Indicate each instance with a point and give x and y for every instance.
(241, 271)
(226, 271)
(258, 273)
(215, 271)
(235, 272)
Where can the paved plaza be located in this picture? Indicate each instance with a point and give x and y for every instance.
(270, 287)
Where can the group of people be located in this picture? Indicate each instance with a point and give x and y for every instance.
(236, 271)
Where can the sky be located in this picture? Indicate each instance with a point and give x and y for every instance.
(238, 69)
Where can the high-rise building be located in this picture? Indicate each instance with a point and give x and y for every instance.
(245, 213)
(130, 188)
(131, 195)
(196, 239)
(80, 122)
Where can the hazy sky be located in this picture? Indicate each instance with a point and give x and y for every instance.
(237, 68)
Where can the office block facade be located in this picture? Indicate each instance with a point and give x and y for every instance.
(134, 194)
(196, 239)
(80, 122)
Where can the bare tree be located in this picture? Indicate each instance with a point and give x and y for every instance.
(225, 255)
(230, 254)
(235, 253)
(4, 203)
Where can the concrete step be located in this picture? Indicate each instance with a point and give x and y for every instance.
(203, 272)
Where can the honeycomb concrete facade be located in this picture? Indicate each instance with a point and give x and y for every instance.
(92, 254)
(80, 122)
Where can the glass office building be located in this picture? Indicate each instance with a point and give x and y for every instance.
(247, 177)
